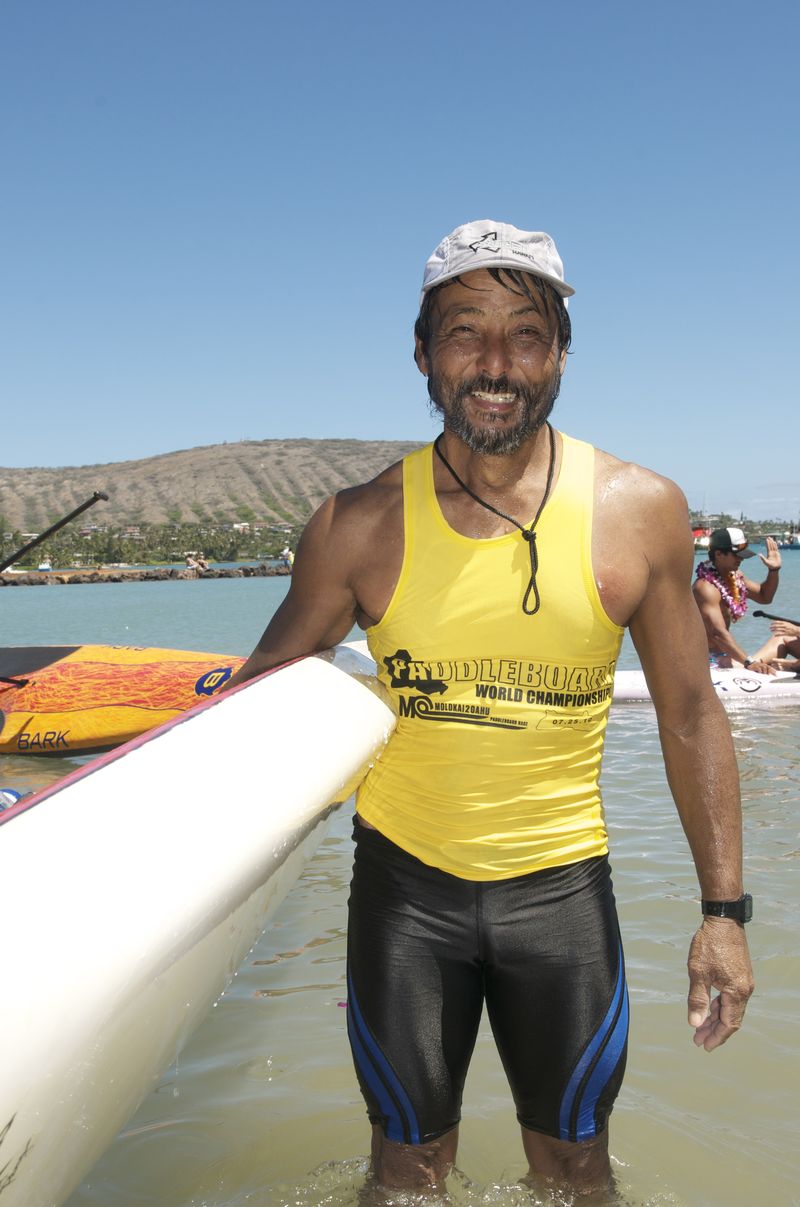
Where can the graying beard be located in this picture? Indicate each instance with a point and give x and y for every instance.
(497, 442)
(503, 440)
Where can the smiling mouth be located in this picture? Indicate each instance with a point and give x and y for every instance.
(496, 399)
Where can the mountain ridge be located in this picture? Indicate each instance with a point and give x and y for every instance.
(272, 481)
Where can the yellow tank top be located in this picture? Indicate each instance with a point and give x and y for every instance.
(493, 769)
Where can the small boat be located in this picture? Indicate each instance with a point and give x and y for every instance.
(89, 698)
(701, 537)
(44, 566)
(785, 540)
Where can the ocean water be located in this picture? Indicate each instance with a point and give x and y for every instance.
(261, 1109)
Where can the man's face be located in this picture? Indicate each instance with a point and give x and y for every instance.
(727, 561)
(493, 364)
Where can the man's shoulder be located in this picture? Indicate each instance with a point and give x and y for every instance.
(381, 491)
(359, 511)
(634, 484)
(705, 589)
(643, 513)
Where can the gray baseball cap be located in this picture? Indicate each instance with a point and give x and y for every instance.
(488, 244)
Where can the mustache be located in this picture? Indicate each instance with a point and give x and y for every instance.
(491, 385)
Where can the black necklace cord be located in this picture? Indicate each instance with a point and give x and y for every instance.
(14, 682)
(529, 533)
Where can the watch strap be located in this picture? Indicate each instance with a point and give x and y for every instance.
(740, 910)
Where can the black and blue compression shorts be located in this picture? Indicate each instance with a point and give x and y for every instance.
(426, 949)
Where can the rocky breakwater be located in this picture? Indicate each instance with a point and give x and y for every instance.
(124, 574)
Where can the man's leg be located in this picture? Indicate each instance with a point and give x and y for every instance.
(555, 989)
(582, 1167)
(412, 1166)
(415, 995)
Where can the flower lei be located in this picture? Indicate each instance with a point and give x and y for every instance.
(732, 588)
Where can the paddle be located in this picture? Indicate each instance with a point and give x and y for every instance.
(772, 616)
(98, 494)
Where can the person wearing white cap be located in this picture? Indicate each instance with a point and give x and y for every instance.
(495, 572)
(722, 592)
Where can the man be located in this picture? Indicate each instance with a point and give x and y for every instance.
(722, 592)
(481, 870)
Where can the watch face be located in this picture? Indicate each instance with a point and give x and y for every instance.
(747, 908)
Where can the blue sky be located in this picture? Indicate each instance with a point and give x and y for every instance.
(216, 215)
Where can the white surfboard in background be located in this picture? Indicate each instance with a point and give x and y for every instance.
(734, 686)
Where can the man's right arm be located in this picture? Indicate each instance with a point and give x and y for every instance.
(320, 607)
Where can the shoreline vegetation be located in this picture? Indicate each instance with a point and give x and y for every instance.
(89, 546)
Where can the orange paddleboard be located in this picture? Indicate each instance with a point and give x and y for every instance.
(87, 698)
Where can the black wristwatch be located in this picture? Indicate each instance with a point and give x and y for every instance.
(740, 911)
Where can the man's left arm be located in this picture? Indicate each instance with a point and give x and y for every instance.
(700, 763)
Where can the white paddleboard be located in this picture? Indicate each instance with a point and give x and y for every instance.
(134, 889)
(734, 687)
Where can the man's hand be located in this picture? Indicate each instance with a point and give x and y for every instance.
(772, 560)
(761, 667)
(718, 959)
(785, 628)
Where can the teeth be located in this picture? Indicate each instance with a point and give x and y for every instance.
(487, 397)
